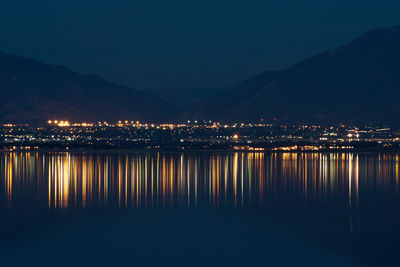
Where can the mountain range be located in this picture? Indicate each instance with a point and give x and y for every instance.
(355, 83)
(33, 91)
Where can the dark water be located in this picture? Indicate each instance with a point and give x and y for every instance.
(199, 209)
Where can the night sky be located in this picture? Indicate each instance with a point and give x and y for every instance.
(183, 44)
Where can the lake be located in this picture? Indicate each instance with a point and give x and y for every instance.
(199, 208)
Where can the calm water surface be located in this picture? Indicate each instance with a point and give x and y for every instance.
(219, 209)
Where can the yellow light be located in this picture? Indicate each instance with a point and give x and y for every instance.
(63, 123)
(235, 136)
(49, 122)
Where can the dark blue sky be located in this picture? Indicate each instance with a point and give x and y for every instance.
(155, 43)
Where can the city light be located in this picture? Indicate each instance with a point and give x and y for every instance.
(131, 134)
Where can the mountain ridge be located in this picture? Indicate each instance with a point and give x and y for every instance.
(35, 91)
(354, 83)
(358, 82)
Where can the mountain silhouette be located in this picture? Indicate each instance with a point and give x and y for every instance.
(32, 92)
(355, 83)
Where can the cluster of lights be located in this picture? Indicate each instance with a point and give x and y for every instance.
(59, 123)
(249, 148)
(341, 147)
(165, 126)
(22, 148)
(306, 148)
(353, 135)
(126, 122)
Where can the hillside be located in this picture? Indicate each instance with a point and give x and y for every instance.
(33, 91)
(356, 83)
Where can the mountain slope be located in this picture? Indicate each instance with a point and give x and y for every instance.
(355, 83)
(184, 99)
(33, 91)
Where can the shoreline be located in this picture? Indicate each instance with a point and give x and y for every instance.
(191, 151)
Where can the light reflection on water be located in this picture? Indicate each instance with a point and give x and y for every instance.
(282, 208)
(62, 180)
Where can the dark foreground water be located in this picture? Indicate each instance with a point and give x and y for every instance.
(199, 209)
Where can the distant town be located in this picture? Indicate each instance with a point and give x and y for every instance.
(196, 135)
